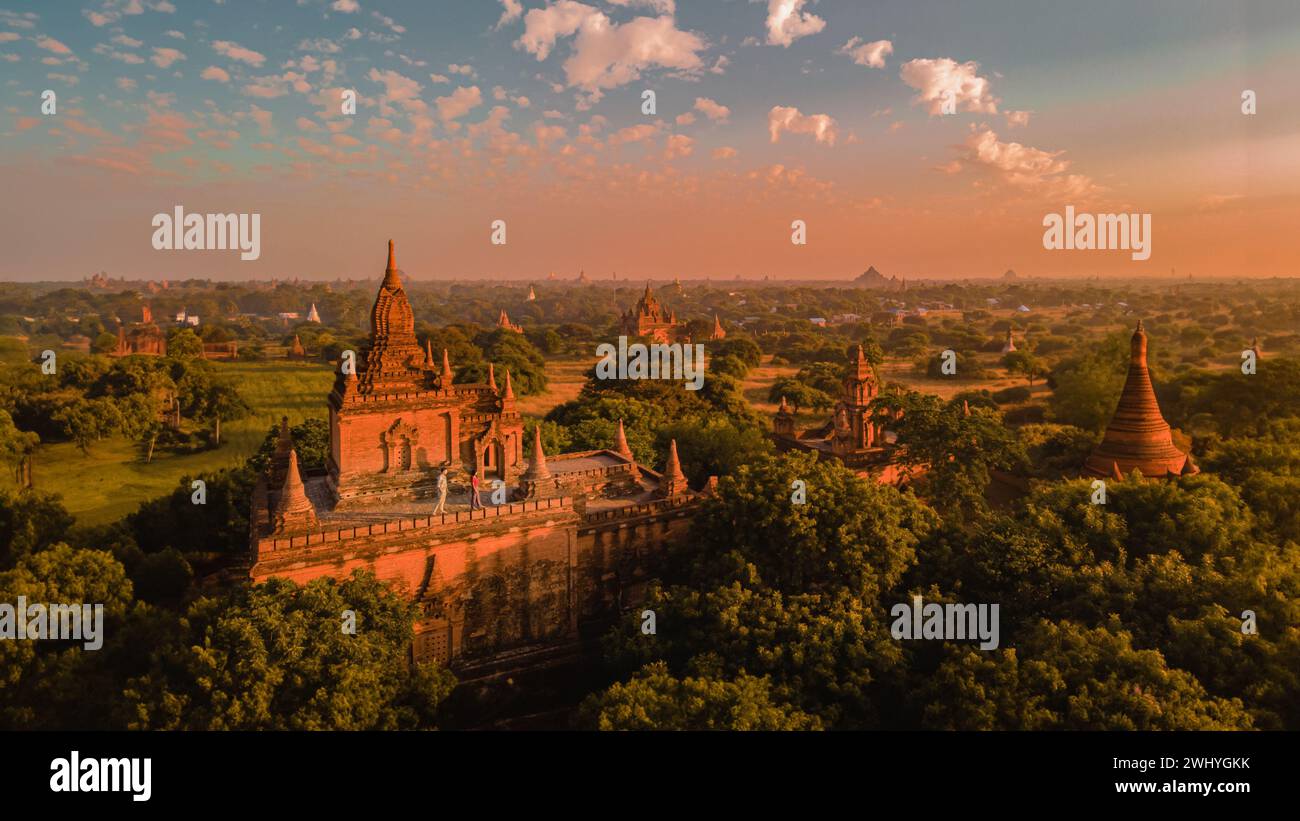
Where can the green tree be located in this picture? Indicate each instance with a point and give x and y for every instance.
(276, 656)
(655, 699)
(958, 450)
(1026, 363)
(184, 344)
(18, 449)
(1066, 677)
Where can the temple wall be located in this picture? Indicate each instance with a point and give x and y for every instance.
(522, 575)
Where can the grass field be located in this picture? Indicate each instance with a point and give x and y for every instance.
(564, 379)
(113, 479)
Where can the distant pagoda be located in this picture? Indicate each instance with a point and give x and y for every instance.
(1138, 437)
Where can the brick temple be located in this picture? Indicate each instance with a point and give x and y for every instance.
(849, 436)
(565, 541)
(143, 338)
(651, 319)
(1138, 437)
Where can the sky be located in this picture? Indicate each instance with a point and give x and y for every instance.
(929, 139)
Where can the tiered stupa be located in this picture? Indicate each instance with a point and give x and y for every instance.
(1138, 437)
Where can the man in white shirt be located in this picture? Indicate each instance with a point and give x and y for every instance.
(442, 491)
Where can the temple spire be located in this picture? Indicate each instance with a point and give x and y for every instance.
(537, 469)
(391, 279)
(620, 444)
(673, 481)
(492, 377)
(293, 510)
(428, 354)
(447, 373)
(510, 392)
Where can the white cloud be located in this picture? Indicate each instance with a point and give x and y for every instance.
(459, 103)
(214, 73)
(50, 44)
(513, 11)
(237, 52)
(711, 109)
(398, 88)
(660, 6)
(345, 6)
(1024, 167)
(944, 78)
(606, 54)
(871, 54)
(164, 57)
(1017, 118)
(784, 118)
(388, 21)
(678, 145)
(787, 22)
(321, 44)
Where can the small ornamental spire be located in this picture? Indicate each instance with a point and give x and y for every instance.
(537, 469)
(1115, 472)
(965, 407)
(785, 406)
(492, 377)
(428, 354)
(510, 392)
(674, 481)
(620, 444)
(293, 510)
(391, 279)
(447, 374)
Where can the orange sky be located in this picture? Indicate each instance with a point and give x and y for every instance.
(830, 113)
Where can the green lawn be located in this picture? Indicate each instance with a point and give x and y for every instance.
(113, 479)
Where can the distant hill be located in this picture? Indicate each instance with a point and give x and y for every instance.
(871, 278)
(1010, 274)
